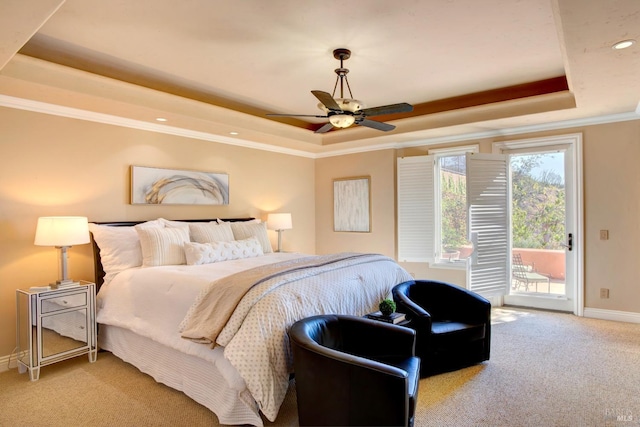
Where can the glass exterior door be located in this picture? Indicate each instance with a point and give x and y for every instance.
(542, 227)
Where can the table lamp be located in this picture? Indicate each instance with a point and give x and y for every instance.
(62, 232)
(279, 222)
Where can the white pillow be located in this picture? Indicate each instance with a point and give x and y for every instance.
(172, 224)
(207, 253)
(119, 248)
(163, 246)
(245, 229)
(210, 232)
(157, 223)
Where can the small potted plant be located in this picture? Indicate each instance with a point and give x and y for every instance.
(387, 307)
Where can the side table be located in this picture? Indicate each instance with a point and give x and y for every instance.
(54, 325)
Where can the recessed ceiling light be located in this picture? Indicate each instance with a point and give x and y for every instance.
(161, 119)
(623, 44)
(233, 133)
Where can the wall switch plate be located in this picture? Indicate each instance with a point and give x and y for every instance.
(604, 293)
(604, 234)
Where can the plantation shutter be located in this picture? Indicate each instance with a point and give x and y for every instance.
(488, 223)
(415, 192)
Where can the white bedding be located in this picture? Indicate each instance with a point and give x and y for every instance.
(152, 303)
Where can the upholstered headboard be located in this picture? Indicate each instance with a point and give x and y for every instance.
(97, 263)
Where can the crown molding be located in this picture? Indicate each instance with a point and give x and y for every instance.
(564, 124)
(109, 119)
(79, 114)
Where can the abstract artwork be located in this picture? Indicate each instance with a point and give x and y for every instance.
(351, 205)
(156, 186)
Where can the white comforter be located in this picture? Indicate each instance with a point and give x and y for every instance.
(152, 302)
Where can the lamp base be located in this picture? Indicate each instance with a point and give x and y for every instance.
(279, 240)
(61, 284)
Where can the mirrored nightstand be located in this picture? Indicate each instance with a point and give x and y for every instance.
(55, 325)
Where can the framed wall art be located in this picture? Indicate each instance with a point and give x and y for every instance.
(157, 186)
(352, 205)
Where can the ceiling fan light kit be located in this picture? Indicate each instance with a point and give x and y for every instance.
(342, 120)
(345, 104)
(344, 112)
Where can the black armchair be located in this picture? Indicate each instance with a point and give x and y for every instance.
(452, 324)
(353, 371)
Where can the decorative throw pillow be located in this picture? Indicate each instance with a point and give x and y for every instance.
(210, 232)
(243, 230)
(207, 253)
(163, 246)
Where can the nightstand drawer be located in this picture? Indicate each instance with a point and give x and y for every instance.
(71, 300)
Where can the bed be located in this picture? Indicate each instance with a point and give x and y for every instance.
(159, 298)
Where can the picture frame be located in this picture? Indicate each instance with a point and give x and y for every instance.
(159, 186)
(352, 204)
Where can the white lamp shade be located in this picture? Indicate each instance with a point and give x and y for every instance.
(279, 221)
(62, 231)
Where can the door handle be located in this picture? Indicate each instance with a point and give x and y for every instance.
(569, 244)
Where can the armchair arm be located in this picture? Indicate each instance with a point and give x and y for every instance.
(356, 361)
(409, 307)
(442, 300)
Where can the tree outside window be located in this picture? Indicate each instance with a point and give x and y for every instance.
(453, 208)
(538, 204)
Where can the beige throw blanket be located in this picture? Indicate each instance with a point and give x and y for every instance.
(214, 306)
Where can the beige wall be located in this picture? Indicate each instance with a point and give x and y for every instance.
(380, 167)
(57, 166)
(612, 202)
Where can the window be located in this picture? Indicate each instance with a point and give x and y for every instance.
(432, 207)
(451, 243)
(431, 225)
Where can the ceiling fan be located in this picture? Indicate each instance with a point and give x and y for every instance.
(343, 112)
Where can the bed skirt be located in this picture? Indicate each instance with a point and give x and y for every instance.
(199, 379)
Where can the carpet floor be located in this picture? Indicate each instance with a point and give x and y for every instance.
(546, 369)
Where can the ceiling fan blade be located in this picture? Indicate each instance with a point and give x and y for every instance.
(403, 107)
(325, 128)
(327, 100)
(296, 115)
(376, 125)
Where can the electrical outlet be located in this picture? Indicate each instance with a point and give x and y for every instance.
(604, 293)
(604, 234)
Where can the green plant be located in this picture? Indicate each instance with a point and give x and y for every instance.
(387, 306)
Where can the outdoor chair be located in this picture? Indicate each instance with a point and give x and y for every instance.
(523, 275)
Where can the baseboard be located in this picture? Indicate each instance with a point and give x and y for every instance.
(4, 362)
(618, 316)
